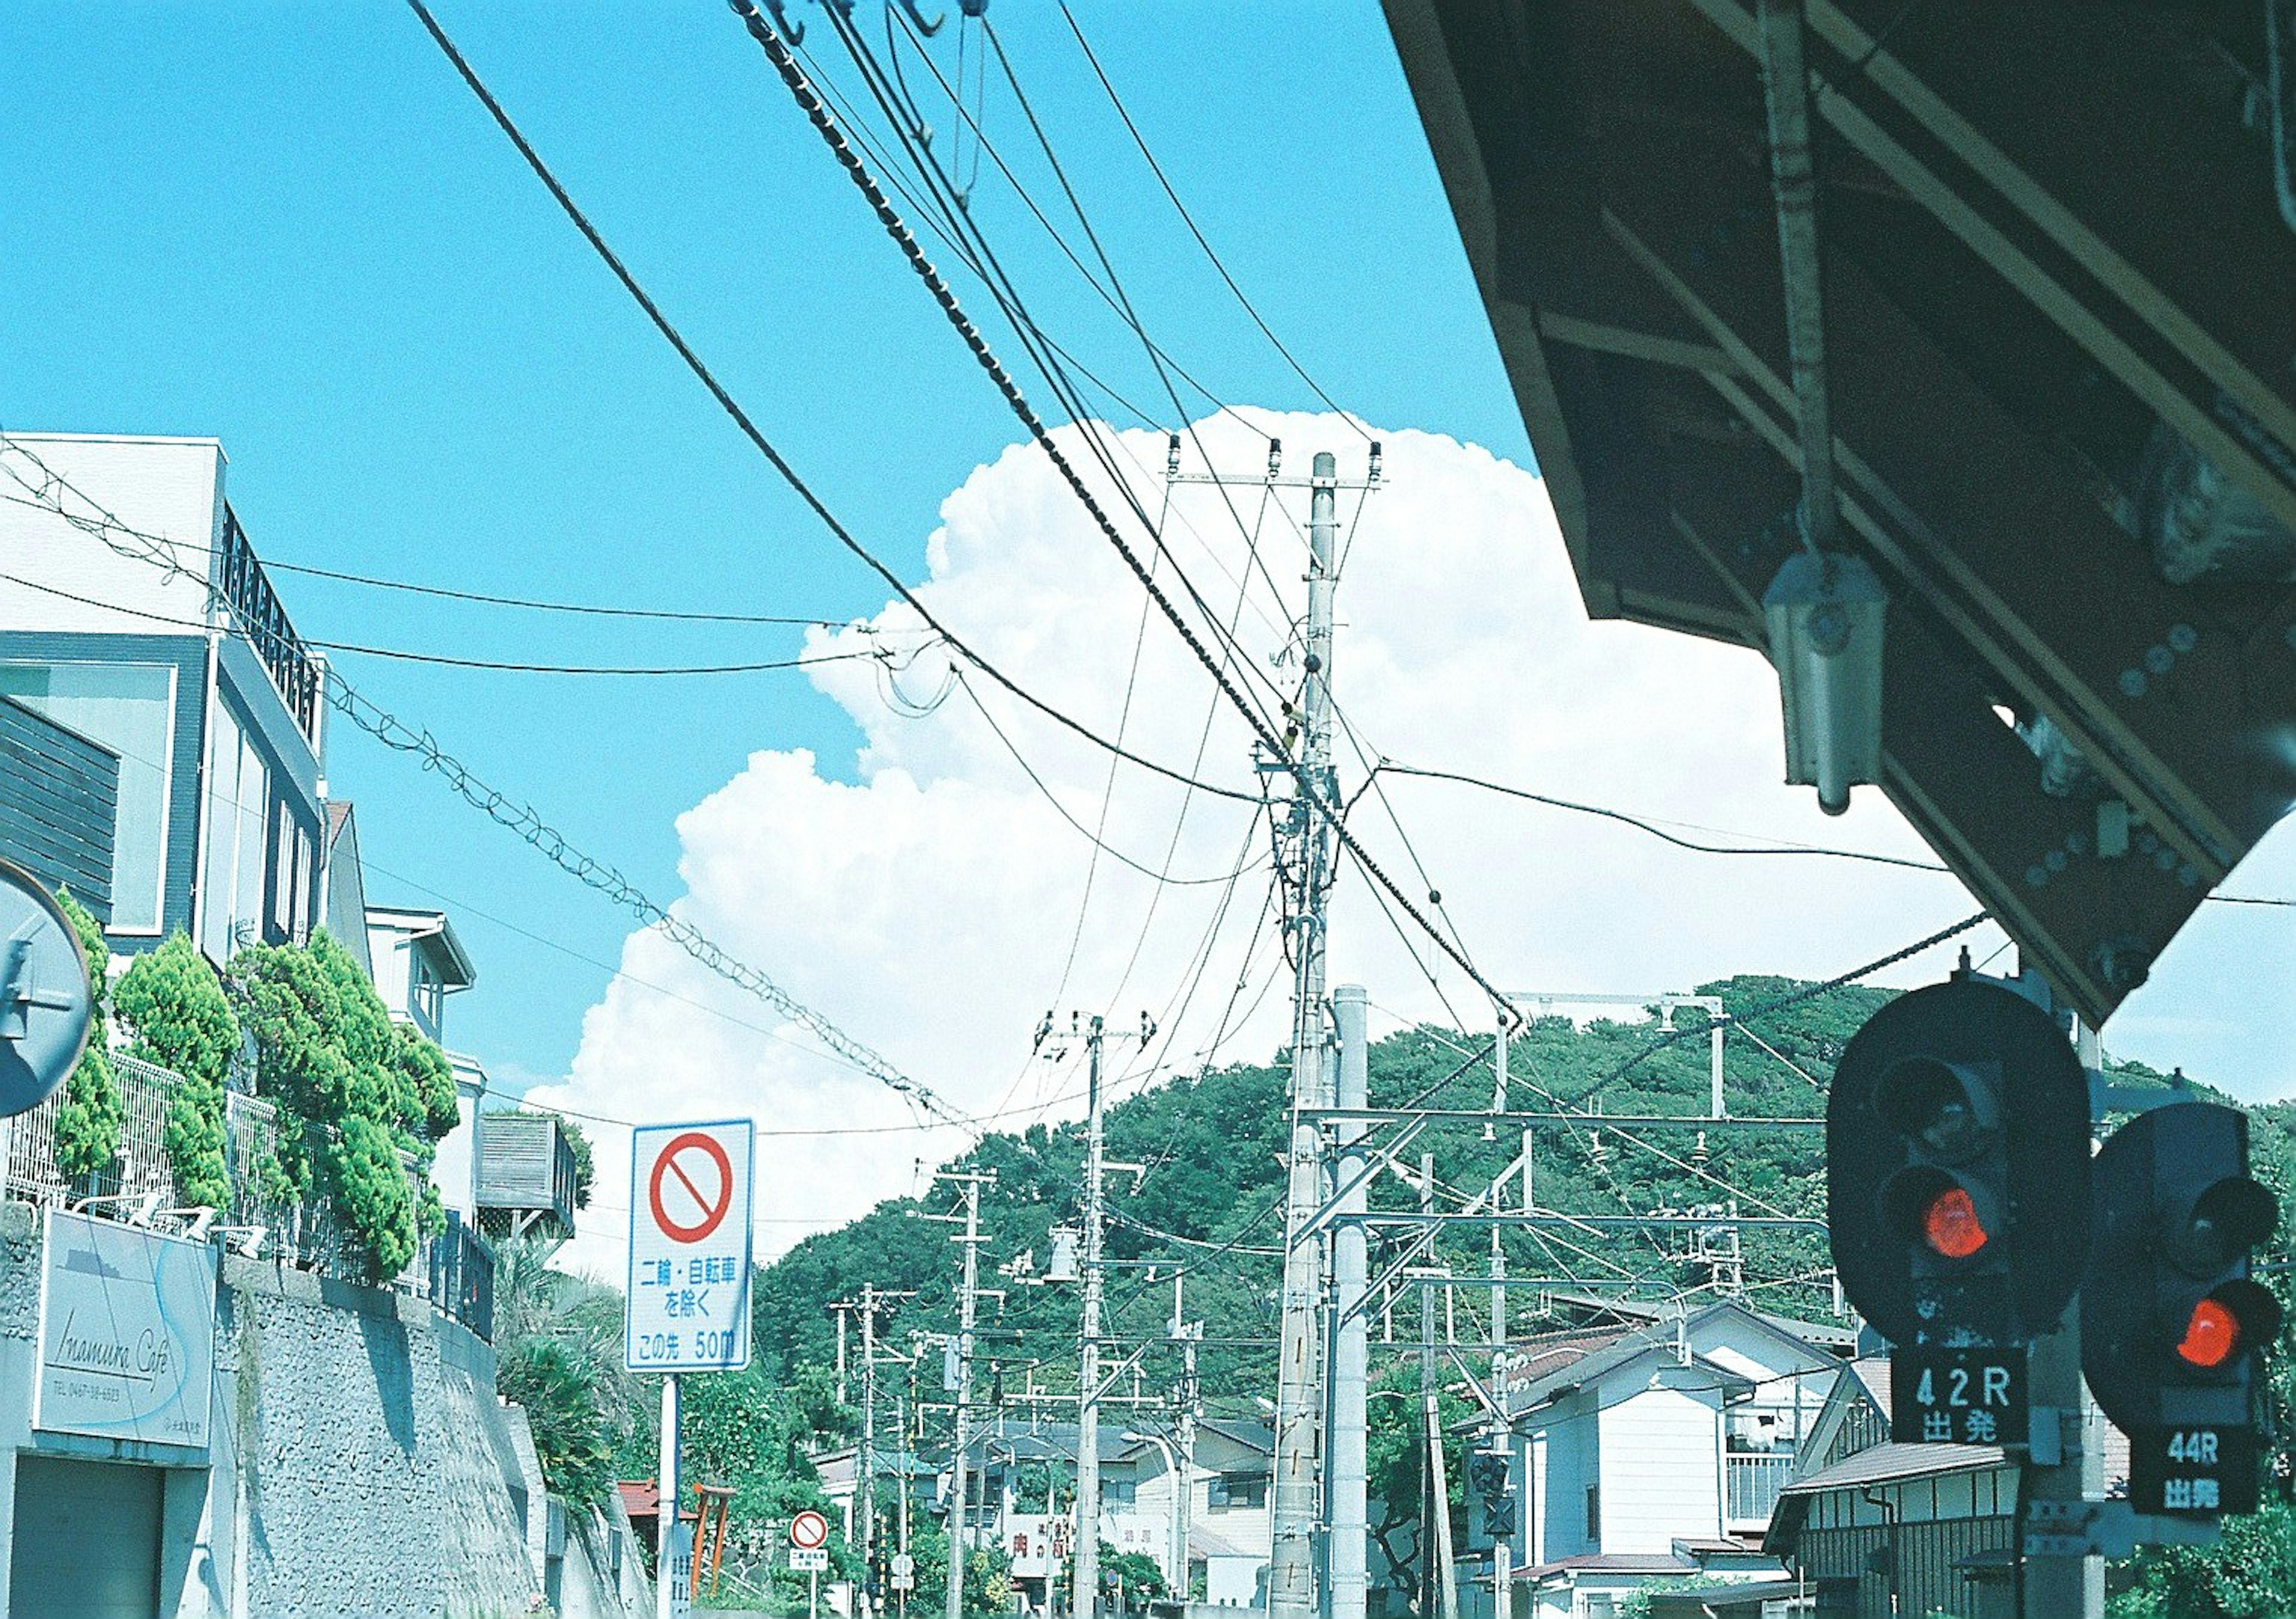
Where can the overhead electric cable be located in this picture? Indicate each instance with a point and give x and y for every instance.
(1188, 219)
(750, 429)
(818, 113)
(404, 655)
(1084, 832)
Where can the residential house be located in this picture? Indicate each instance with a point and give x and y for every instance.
(1649, 1443)
(417, 961)
(1878, 1528)
(1021, 1487)
(148, 630)
(1227, 1480)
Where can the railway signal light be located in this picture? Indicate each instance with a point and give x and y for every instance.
(2172, 1324)
(1487, 1477)
(1957, 1168)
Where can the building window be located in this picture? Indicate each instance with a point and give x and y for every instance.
(1595, 1513)
(130, 709)
(234, 818)
(1122, 1492)
(1238, 1490)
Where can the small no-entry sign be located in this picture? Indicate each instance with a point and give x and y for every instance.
(807, 1529)
(689, 1291)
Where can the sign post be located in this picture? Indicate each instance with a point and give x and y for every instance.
(808, 1537)
(689, 1286)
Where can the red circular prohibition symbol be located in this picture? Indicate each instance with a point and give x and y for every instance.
(713, 1215)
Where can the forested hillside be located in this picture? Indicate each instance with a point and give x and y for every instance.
(1208, 1209)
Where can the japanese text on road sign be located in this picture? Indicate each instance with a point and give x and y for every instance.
(689, 1288)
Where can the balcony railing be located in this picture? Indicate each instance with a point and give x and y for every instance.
(255, 609)
(1751, 1485)
(454, 1270)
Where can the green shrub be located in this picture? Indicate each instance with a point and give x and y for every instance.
(179, 1017)
(371, 1196)
(430, 1081)
(550, 1381)
(176, 1012)
(88, 1119)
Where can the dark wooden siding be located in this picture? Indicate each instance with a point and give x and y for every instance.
(1923, 1564)
(59, 793)
(189, 655)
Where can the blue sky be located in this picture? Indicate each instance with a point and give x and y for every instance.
(290, 227)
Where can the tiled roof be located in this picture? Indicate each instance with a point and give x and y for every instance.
(1613, 1562)
(1893, 1463)
(641, 1498)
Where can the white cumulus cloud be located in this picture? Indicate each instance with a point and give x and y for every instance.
(929, 904)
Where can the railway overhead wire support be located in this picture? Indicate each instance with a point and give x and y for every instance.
(1089, 1391)
(1305, 842)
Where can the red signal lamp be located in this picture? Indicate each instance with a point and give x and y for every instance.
(2226, 1322)
(2211, 1336)
(1950, 1224)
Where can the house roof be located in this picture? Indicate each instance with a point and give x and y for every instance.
(1893, 1463)
(640, 1497)
(1589, 1356)
(1203, 1542)
(432, 925)
(1611, 1563)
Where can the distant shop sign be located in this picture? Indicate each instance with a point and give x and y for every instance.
(127, 1334)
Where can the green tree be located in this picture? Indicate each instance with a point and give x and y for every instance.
(178, 1016)
(430, 1081)
(89, 1117)
(369, 1186)
(988, 1574)
(1136, 1577)
(328, 1054)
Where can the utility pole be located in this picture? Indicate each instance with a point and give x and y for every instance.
(909, 1486)
(1350, 1505)
(1184, 1500)
(1436, 1496)
(1299, 1382)
(868, 1428)
(1087, 1537)
(968, 1293)
(1086, 1562)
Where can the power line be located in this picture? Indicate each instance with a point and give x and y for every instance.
(1188, 219)
(377, 582)
(1391, 767)
(1084, 832)
(818, 113)
(750, 429)
(497, 666)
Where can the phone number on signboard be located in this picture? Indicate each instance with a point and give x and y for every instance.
(656, 1348)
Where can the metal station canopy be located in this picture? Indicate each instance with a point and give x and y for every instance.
(2054, 247)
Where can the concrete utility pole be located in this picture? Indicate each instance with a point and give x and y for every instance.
(1436, 1498)
(868, 1458)
(1183, 1501)
(1087, 1536)
(1350, 1505)
(967, 1298)
(1291, 1581)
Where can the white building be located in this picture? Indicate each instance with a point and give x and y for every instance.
(1653, 1449)
(418, 962)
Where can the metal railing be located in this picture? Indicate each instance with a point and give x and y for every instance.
(255, 606)
(1751, 1485)
(454, 1270)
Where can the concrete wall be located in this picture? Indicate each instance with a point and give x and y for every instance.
(359, 1463)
